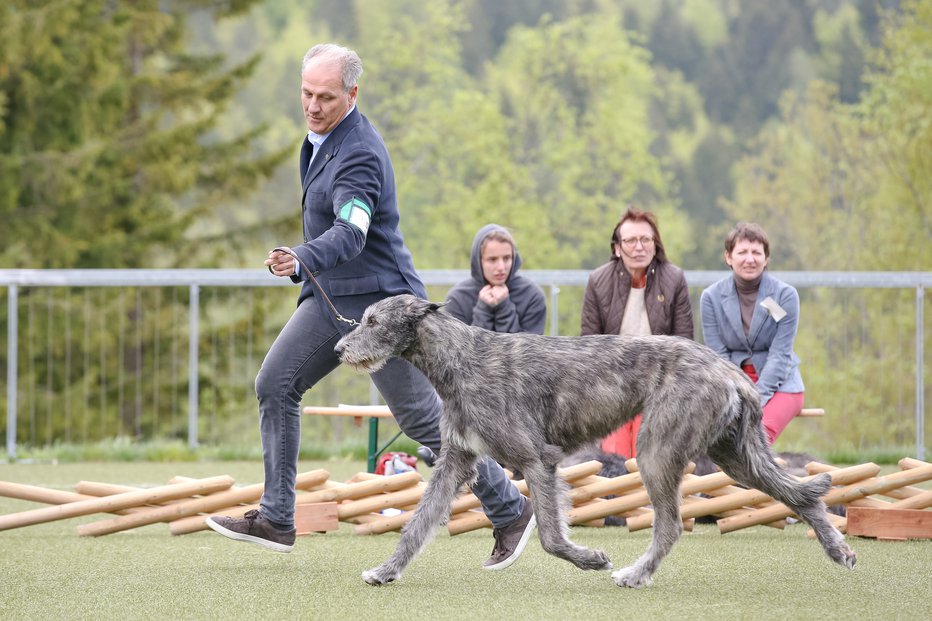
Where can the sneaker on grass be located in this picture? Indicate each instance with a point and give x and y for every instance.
(254, 528)
(510, 540)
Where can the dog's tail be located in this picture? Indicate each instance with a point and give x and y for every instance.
(759, 462)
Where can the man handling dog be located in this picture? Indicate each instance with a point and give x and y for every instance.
(355, 250)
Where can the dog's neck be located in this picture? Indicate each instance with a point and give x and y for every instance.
(434, 334)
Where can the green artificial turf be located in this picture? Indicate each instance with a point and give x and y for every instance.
(49, 572)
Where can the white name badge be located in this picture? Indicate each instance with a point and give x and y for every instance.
(776, 311)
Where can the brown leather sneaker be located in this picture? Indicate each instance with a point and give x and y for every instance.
(510, 540)
(254, 528)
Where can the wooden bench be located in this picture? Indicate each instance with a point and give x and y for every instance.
(358, 412)
(375, 412)
(812, 412)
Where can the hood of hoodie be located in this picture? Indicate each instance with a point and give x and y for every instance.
(475, 261)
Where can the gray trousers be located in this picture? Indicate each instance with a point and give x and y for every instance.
(302, 355)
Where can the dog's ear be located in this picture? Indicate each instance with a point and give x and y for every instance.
(418, 307)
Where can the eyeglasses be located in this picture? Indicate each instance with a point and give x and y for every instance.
(631, 242)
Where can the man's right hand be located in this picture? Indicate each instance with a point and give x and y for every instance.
(280, 263)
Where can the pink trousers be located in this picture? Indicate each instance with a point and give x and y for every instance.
(780, 410)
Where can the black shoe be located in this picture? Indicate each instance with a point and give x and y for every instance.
(254, 528)
(510, 540)
(428, 455)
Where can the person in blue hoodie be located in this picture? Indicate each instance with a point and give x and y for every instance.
(495, 296)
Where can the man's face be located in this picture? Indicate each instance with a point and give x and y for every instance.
(497, 258)
(323, 98)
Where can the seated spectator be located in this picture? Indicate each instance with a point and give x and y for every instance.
(496, 297)
(638, 292)
(751, 318)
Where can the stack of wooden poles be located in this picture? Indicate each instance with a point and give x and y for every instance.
(377, 504)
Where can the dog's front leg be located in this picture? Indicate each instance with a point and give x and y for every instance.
(548, 493)
(453, 468)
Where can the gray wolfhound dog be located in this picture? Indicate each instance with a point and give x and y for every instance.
(526, 399)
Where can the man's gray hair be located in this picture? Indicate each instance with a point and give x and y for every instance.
(349, 61)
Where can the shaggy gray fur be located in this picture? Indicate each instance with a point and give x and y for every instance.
(526, 400)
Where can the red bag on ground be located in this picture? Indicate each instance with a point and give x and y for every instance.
(395, 463)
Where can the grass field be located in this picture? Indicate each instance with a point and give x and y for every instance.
(49, 572)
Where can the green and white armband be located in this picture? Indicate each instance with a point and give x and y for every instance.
(357, 213)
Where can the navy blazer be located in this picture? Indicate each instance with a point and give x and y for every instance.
(352, 242)
(769, 343)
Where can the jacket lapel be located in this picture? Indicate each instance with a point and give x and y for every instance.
(305, 161)
(732, 309)
(766, 289)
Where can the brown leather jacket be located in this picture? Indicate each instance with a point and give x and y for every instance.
(667, 299)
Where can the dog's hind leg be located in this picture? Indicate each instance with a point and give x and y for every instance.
(661, 468)
(548, 496)
(453, 468)
(751, 463)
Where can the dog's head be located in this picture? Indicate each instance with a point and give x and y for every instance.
(387, 330)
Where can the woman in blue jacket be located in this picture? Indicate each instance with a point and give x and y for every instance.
(751, 318)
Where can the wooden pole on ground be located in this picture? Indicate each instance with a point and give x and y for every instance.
(605, 487)
(901, 493)
(696, 485)
(195, 523)
(909, 497)
(193, 506)
(908, 463)
(45, 495)
(919, 501)
(472, 520)
(468, 521)
(834, 496)
(752, 497)
(726, 498)
(462, 517)
(115, 502)
(339, 492)
(372, 524)
(352, 491)
(378, 502)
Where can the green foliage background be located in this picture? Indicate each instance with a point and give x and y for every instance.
(164, 134)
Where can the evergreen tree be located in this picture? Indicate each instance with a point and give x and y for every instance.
(107, 150)
(108, 153)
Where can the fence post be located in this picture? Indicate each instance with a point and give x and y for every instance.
(11, 363)
(193, 318)
(920, 375)
(554, 310)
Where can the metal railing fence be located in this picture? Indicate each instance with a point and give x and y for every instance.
(551, 280)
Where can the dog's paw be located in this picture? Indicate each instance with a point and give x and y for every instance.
(598, 561)
(379, 576)
(631, 577)
(844, 556)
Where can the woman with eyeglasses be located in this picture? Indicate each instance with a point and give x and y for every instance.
(637, 293)
(750, 318)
